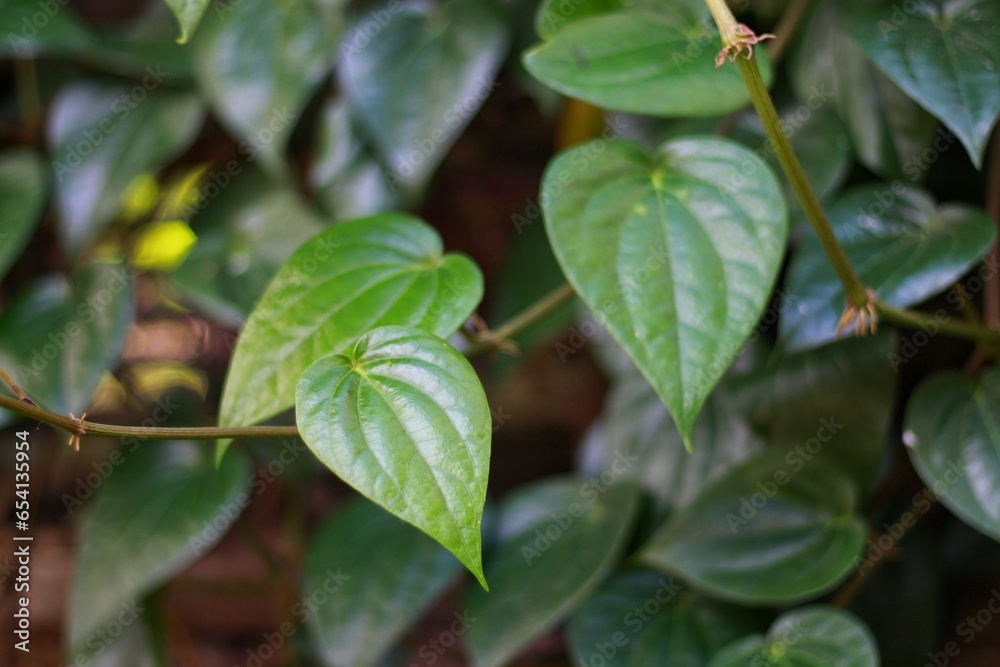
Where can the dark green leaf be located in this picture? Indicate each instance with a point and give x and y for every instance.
(32, 29)
(57, 339)
(258, 63)
(836, 401)
(946, 56)
(385, 573)
(416, 81)
(403, 419)
(817, 636)
(768, 532)
(953, 438)
(102, 137)
(362, 274)
(636, 431)
(888, 129)
(23, 185)
(188, 13)
(557, 540)
(903, 245)
(159, 512)
(645, 619)
(660, 63)
(553, 15)
(675, 253)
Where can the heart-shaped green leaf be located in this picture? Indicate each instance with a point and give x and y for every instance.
(675, 253)
(258, 63)
(654, 58)
(769, 532)
(23, 182)
(102, 137)
(403, 419)
(837, 400)
(953, 438)
(809, 637)
(371, 272)
(557, 540)
(57, 339)
(902, 245)
(188, 13)
(385, 574)
(889, 130)
(159, 512)
(636, 428)
(645, 619)
(417, 79)
(946, 56)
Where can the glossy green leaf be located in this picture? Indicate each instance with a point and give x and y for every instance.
(403, 419)
(833, 403)
(645, 619)
(104, 136)
(655, 58)
(558, 539)
(247, 228)
(417, 81)
(163, 508)
(553, 15)
(346, 177)
(674, 252)
(636, 431)
(952, 433)
(767, 532)
(57, 339)
(31, 29)
(259, 61)
(903, 245)
(816, 636)
(386, 574)
(188, 13)
(889, 131)
(946, 56)
(362, 274)
(23, 185)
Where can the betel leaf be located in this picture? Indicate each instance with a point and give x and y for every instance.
(557, 540)
(768, 532)
(656, 60)
(384, 270)
(258, 63)
(889, 130)
(806, 637)
(102, 137)
(952, 433)
(946, 56)
(674, 252)
(553, 15)
(58, 338)
(165, 505)
(833, 403)
(23, 183)
(403, 419)
(188, 13)
(645, 619)
(635, 433)
(415, 74)
(386, 573)
(903, 245)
